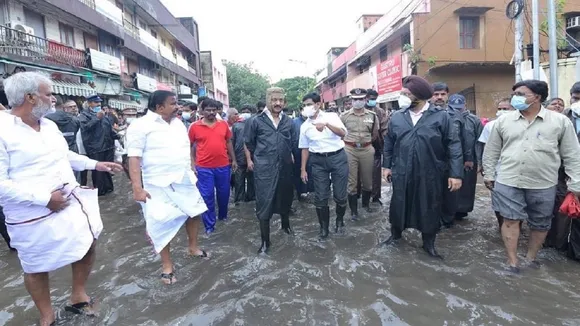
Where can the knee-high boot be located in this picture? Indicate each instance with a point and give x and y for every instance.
(353, 204)
(429, 245)
(286, 224)
(265, 235)
(366, 201)
(396, 234)
(340, 211)
(324, 217)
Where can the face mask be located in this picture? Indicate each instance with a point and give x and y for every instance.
(499, 113)
(309, 111)
(129, 120)
(97, 109)
(575, 108)
(245, 116)
(519, 103)
(358, 104)
(186, 115)
(404, 102)
(372, 103)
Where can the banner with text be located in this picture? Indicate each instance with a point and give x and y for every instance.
(389, 76)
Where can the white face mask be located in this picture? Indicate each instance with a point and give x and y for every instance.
(575, 108)
(404, 102)
(129, 120)
(499, 113)
(308, 111)
(245, 116)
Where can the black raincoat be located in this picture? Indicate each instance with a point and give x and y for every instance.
(271, 149)
(98, 135)
(421, 158)
(466, 195)
(69, 126)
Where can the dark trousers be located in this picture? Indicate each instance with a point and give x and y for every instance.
(324, 168)
(212, 182)
(377, 175)
(3, 230)
(301, 187)
(103, 180)
(244, 185)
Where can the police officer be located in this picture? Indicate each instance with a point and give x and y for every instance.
(322, 147)
(378, 143)
(362, 127)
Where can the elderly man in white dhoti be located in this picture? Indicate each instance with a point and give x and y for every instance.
(164, 184)
(51, 220)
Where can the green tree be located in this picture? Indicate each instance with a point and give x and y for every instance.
(245, 84)
(296, 88)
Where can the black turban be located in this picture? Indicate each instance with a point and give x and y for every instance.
(419, 87)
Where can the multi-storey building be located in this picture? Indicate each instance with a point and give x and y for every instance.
(122, 50)
(215, 78)
(467, 44)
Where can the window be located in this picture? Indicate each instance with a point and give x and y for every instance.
(142, 25)
(108, 49)
(154, 33)
(384, 53)
(66, 35)
(468, 32)
(405, 39)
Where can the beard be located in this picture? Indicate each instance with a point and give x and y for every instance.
(41, 110)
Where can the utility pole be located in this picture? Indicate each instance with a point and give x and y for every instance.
(553, 48)
(536, 38)
(519, 45)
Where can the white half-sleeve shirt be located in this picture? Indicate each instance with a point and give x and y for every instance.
(324, 141)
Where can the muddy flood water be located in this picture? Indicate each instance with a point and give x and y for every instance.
(346, 280)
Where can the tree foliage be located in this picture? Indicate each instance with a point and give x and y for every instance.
(296, 88)
(245, 84)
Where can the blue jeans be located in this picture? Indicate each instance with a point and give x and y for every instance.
(212, 182)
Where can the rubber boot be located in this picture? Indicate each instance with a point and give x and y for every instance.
(366, 201)
(429, 245)
(396, 234)
(353, 204)
(499, 220)
(286, 224)
(265, 234)
(324, 217)
(340, 211)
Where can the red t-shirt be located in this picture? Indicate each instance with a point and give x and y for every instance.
(211, 143)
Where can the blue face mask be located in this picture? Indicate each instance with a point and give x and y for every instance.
(372, 103)
(519, 103)
(97, 109)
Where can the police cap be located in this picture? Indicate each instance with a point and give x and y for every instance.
(358, 93)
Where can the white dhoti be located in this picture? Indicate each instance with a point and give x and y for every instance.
(169, 208)
(48, 241)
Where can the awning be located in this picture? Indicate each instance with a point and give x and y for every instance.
(389, 97)
(72, 89)
(121, 105)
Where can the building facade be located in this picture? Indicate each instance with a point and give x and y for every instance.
(469, 47)
(215, 77)
(122, 50)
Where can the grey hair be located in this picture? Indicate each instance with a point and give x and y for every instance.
(231, 111)
(20, 84)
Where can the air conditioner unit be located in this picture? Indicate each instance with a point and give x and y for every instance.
(22, 28)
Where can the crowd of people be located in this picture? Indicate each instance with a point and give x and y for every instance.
(183, 160)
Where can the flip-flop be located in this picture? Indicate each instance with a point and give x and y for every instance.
(81, 308)
(168, 276)
(203, 255)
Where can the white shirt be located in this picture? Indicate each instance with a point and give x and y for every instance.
(324, 141)
(32, 165)
(416, 116)
(484, 137)
(269, 114)
(163, 147)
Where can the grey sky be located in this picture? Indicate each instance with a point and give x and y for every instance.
(271, 33)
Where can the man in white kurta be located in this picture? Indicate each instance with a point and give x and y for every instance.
(163, 181)
(52, 221)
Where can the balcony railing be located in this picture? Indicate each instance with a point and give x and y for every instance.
(39, 49)
(90, 3)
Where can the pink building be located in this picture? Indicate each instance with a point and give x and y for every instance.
(215, 78)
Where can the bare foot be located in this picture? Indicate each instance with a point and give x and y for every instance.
(47, 321)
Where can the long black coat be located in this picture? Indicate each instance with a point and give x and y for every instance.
(98, 135)
(271, 149)
(421, 158)
(466, 195)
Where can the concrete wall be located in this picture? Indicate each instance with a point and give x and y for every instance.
(566, 77)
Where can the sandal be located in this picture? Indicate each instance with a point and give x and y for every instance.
(81, 308)
(168, 276)
(202, 255)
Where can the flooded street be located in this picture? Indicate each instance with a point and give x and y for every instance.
(346, 280)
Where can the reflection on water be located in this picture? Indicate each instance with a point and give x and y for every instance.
(346, 280)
